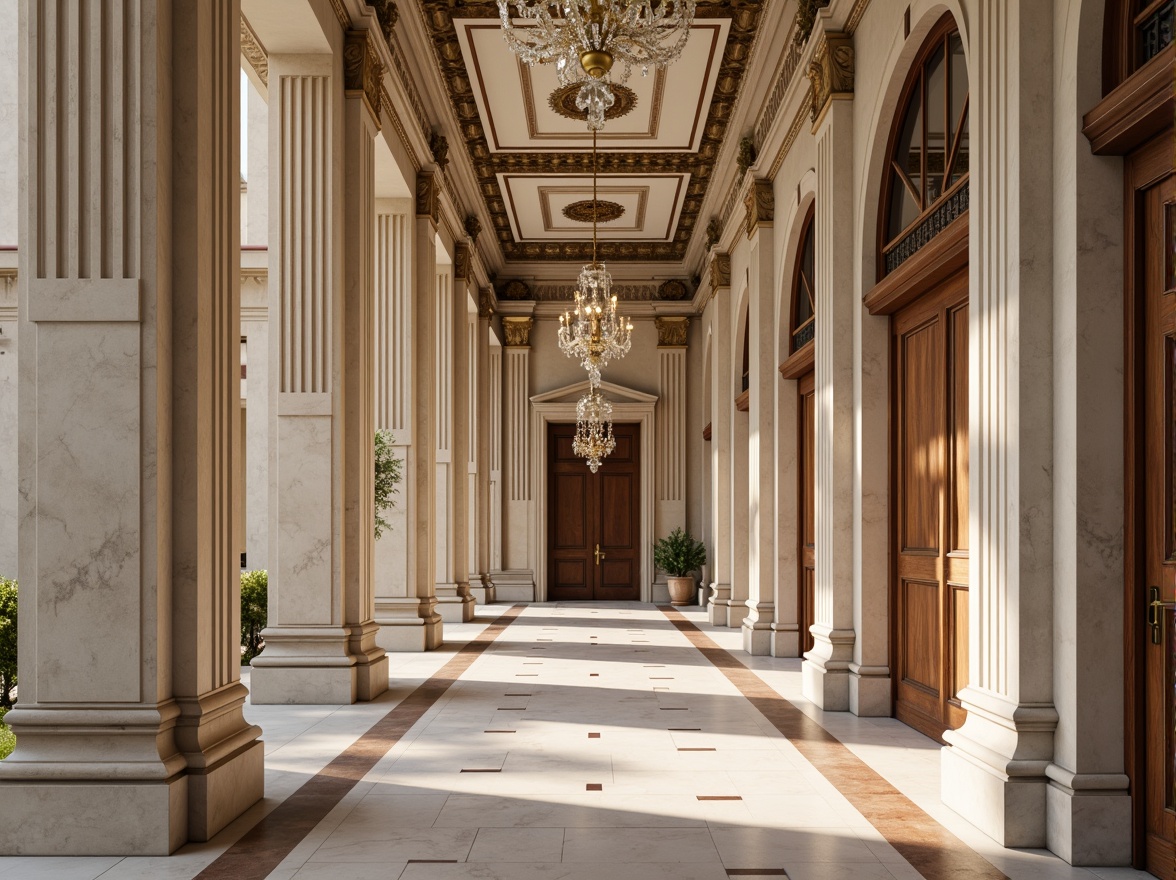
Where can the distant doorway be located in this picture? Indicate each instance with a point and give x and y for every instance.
(594, 520)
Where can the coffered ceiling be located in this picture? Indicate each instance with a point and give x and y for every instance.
(532, 162)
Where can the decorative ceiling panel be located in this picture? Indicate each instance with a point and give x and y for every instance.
(512, 134)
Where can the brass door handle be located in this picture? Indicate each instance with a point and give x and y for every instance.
(598, 554)
(1155, 615)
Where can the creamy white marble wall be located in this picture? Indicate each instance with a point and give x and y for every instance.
(9, 169)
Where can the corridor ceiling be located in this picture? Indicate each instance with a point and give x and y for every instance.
(655, 161)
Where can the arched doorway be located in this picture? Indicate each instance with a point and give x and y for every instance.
(923, 287)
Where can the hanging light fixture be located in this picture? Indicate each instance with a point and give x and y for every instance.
(585, 38)
(594, 431)
(594, 333)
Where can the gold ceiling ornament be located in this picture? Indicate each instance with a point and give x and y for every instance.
(595, 333)
(586, 38)
(563, 102)
(587, 210)
(594, 431)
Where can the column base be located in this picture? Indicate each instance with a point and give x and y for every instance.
(736, 613)
(825, 670)
(757, 631)
(218, 795)
(98, 818)
(484, 592)
(870, 691)
(785, 640)
(514, 586)
(454, 603)
(315, 666)
(408, 625)
(993, 771)
(716, 607)
(1088, 817)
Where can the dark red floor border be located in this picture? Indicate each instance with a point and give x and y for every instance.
(930, 848)
(263, 847)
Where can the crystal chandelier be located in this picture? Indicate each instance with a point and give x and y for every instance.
(594, 434)
(586, 37)
(594, 333)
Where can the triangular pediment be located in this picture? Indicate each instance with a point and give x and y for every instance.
(615, 394)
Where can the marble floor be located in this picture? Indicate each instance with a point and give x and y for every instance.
(576, 741)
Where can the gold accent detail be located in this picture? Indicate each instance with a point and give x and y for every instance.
(517, 330)
(462, 261)
(341, 14)
(672, 290)
(563, 102)
(439, 147)
(831, 73)
(581, 211)
(760, 205)
(486, 302)
(473, 227)
(671, 331)
(516, 290)
(596, 62)
(599, 555)
(855, 16)
(720, 272)
(254, 52)
(363, 72)
(387, 15)
(428, 201)
(487, 166)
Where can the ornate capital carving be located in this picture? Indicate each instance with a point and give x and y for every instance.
(720, 271)
(363, 72)
(671, 331)
(473, 226)
(516, 290)
(462, 259)
(713, 232)
(831, 73)
(517, 330)
(486, 302)
(254, 52)
(439, 146)
(428, 201)
(746, 156)
(387, 14)
(760, 203)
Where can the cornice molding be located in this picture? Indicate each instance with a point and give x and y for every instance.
(254, 53)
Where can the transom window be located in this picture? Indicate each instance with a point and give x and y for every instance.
(1153, 27)
(804, 290)
(928, 171)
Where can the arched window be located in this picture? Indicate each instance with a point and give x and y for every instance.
(927, 175)
(804, 289)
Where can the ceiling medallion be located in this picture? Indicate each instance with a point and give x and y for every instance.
(606, 212)
(563, 102)
(585, 38)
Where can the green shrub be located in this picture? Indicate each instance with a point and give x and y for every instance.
(7, 641)
(389, 472)
(254, 612)
(7, 737)
(679, 554)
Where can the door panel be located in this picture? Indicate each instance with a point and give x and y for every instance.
(593, 529)
(806, 444)
(1159, 522)
(930, 525)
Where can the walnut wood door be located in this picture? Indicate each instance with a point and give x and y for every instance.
(593, 520)
(1157, 593)
(930, 525)
(806, 552)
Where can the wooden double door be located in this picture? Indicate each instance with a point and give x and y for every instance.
(929, 528)
(1152, 580)
(594, 520)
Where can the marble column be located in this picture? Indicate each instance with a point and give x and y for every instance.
(483, 438)
(494, 382)
(763, 380)
(320, 642)
(454, 601)
(826, 668)
(670, 415)
(130, 714)
(516, 582)
(720, 444)
(995, 770)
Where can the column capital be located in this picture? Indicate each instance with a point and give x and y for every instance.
(462, 261)
(518, 331)
(760, 204)
(363, 72)
(831, 73)
(671, 332)
(486, 302)
(720, 271)
(428, 201)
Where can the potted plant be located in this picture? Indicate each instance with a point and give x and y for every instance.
(679, 556)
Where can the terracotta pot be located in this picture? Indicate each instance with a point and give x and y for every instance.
(681, 590)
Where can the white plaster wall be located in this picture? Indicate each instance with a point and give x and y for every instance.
(551, 369)
(8, 126)
(8, 299)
